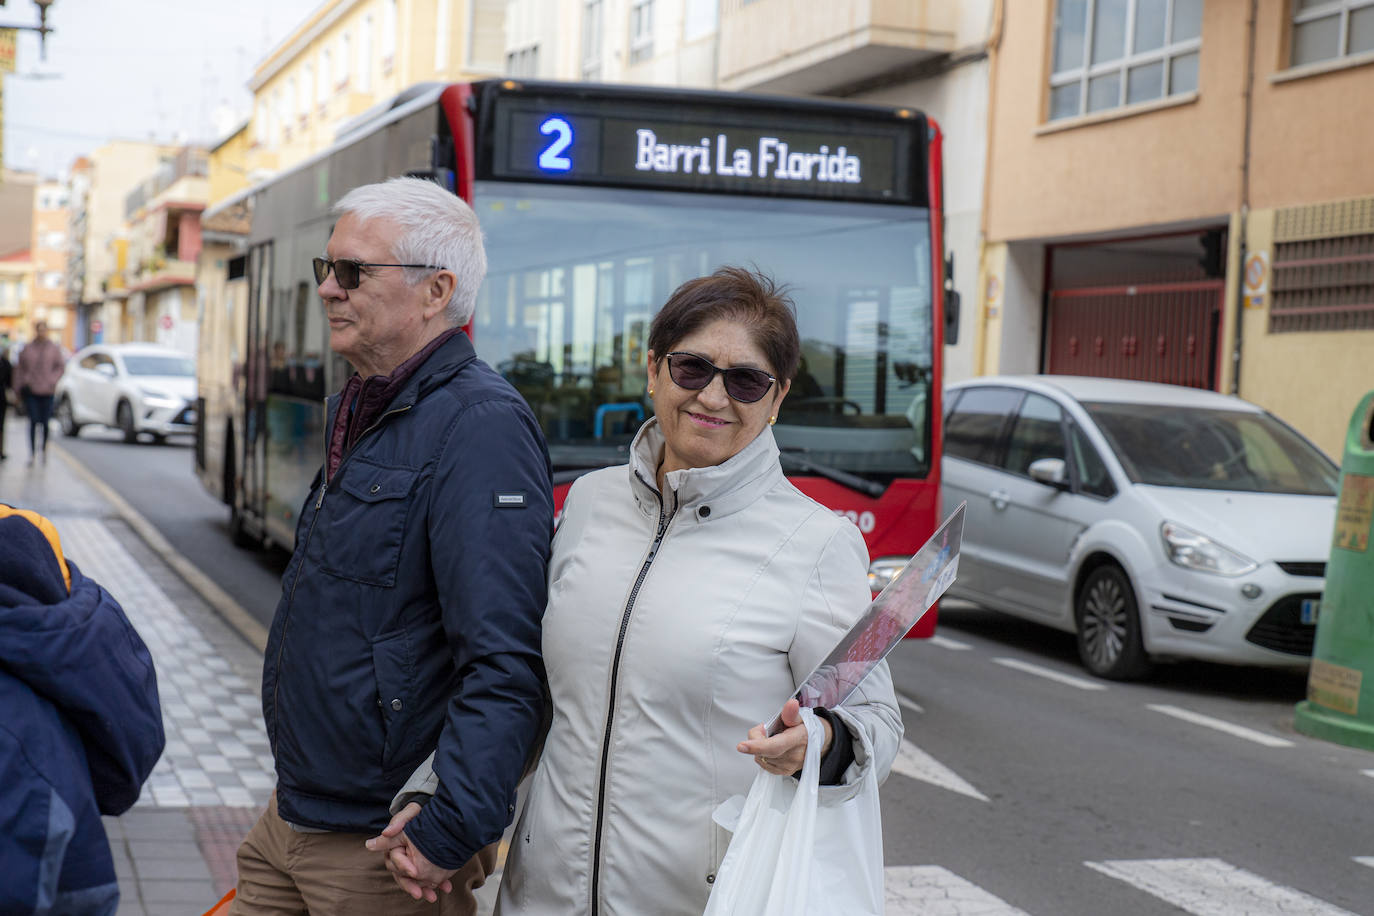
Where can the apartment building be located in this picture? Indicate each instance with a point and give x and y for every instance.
(1179, 190)
(48, 252)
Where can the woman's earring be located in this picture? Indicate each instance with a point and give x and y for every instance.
(773, 419)
(651, 392)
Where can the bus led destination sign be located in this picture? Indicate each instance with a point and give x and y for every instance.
(820, 157)
(774, 159)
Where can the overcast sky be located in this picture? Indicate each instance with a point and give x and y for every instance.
(133, 69)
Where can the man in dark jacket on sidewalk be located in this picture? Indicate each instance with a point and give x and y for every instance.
(81, 726)
(410, 614)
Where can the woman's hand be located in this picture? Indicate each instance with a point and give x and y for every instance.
(416, 875)
(784, 753)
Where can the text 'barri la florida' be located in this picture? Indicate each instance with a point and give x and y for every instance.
(774, 160)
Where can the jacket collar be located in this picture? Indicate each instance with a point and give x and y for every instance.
(441, 365)
(720, 490)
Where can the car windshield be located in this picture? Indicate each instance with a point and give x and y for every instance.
(1207, 449)
(153, 364)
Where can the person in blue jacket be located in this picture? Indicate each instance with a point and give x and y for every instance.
(81, 726)
(409, 621)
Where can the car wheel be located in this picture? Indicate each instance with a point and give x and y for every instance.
(1109, 639)
(65, 418)
(124, 419)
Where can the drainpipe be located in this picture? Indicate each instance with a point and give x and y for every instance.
(980, 321)
(1244, 195)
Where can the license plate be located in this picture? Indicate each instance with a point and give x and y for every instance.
(1311, 607)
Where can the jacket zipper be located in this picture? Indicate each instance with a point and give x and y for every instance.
(291, 598)
(664, 520)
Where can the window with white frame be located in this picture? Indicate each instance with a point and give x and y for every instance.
(53, 279)
(307, 90)
(641, 30)
(442, 26)
(365, 55)
(345, 58)
(591, 39)
(1330, 29)
(262, 129)
(292, 99)
(524, 62)
(55, 239)
(1111, 53)
(388, 33)
(325, 84)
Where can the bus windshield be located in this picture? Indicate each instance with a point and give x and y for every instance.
(575, 275)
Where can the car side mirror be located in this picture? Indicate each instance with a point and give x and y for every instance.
(106, 369)
(1050, 472)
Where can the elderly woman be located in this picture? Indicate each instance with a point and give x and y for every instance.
(689, 595)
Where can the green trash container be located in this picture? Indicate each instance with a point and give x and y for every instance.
(1340, 686)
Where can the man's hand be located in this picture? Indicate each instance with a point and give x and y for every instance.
(416, 875)
(784, 753)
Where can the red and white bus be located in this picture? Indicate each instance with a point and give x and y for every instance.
(596, 202)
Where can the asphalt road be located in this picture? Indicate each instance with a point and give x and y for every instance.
(159, 481)
(1025, 786)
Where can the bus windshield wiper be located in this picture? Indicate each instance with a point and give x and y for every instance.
(843, 478)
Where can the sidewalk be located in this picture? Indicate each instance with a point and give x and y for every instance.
(174, 850)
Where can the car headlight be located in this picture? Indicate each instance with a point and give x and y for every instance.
(1188, 548)
(882, 572)
(158, 398)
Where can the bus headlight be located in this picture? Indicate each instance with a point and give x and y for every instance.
(882, 571)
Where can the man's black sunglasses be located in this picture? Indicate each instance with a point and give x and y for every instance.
(687, 370)
(348, 271)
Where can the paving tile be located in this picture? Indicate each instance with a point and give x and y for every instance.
(200, 893)
(161, 849)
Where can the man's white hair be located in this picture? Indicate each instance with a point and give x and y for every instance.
(437, 228)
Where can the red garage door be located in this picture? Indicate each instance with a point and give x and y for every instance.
(1146, 327)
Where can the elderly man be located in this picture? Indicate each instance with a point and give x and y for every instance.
(35, 378)
(409, 621)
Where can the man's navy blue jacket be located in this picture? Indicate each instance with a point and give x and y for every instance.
(80, 731)
(410, 615)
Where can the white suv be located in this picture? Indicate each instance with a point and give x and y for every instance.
(135, 388)
(1153, 521)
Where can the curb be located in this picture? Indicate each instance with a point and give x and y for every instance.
(218, 599)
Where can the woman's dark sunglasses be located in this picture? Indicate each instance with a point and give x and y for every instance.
(348, 273)
(745, 385)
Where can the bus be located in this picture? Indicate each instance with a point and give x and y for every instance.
(596, 202)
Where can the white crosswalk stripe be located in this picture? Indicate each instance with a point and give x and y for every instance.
(930, 890)
(1211, 887)
(917, 764)
(1202, 887)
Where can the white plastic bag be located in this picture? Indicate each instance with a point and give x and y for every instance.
(792, 856)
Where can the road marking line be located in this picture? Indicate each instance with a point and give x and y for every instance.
(1365, 860)
(1221, 725)
(1211, 887)
(944, 642)
(930, 890)
(1050, 674)
(910, 704)
(1367, 772)
(915, 763)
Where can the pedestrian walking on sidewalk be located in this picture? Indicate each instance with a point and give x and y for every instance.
(81, 728)
(35, 378)
(409, 621)
(6, 382)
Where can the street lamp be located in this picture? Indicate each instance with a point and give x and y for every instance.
(42, 27)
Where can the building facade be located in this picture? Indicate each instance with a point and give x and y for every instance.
(152, 298)
(48, 251)
(1180, 191)
(98, 186)
(346, 58)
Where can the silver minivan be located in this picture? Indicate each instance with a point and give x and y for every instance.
(1153, 521)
